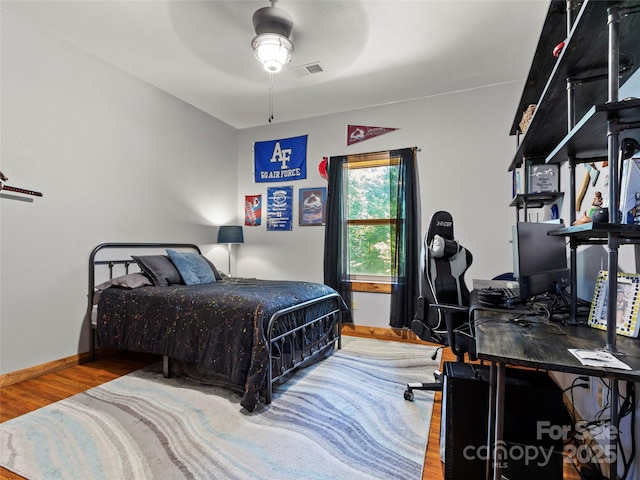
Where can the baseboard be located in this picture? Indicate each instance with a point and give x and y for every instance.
(383, 333)
(49, 367)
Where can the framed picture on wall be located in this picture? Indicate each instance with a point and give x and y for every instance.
(252, 210)
(312, 206)
(280, 208)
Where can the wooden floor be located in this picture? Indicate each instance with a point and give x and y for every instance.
(29, 395)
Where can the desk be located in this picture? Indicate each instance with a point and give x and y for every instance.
(542, 345)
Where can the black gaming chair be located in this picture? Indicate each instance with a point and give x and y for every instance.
(442, 315)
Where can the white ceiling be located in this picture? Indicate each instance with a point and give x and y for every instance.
(373, 52)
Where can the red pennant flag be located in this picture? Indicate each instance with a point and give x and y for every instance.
(359, 133)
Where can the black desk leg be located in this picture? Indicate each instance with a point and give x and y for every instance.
(498, 447)
(614, 429)
(491, 418)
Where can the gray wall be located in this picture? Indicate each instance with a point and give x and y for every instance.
(116, 160)
(465, 150)
(119, 160)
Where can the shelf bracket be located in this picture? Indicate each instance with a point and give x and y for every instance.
(628, 126)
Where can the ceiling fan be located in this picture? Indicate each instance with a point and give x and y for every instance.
(272, 45)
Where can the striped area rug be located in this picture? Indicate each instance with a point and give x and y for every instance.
(343, 418)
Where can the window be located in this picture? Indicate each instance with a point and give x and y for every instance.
(371, 211)
(372, 236)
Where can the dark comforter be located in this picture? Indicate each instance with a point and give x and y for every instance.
(220, 326)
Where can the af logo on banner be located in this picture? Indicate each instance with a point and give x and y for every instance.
(281, 160)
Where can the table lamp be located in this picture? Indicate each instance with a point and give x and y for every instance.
(230, 234)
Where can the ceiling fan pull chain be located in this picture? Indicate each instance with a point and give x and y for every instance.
(270, 97)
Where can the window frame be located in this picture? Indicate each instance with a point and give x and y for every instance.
(371, 283)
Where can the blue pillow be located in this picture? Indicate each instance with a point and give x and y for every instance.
(193, 269)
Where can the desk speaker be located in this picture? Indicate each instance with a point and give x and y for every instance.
(530, 397)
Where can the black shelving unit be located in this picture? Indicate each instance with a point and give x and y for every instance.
(580, 118)
(598, 36)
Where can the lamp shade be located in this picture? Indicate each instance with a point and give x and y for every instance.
(230, 234)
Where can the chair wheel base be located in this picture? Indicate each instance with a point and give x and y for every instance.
(433, 387)
(408, 395)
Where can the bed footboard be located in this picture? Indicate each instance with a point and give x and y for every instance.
(299, 335)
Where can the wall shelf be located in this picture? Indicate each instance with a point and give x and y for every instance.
(552, 34)
(535, 200)
(16, 196)
(588, 139)
(589, 34)
(599, 230)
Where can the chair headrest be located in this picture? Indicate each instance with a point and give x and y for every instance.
(440, 247)
(441, 224)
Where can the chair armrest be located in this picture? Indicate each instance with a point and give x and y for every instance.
(458, 345)
(448, 307)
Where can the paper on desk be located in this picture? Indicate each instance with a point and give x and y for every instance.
(598, 358)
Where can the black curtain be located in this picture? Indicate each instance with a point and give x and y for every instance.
(405, 267)
(336, 253)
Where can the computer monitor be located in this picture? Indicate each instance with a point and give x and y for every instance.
(539, 259)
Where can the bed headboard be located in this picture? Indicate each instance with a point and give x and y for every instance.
(113, 255)
(121, 255)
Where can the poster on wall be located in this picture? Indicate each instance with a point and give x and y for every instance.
(280, 208)
(252, 210)
(280, 160)
(311, 206)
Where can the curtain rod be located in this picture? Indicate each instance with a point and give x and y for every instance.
(382, 153)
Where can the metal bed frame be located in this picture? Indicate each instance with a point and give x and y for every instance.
(325, 329)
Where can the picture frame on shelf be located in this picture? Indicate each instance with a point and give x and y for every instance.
(628, 303)
(542, 178)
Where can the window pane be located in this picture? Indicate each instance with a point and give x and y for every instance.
(370, 249)
(369, 193)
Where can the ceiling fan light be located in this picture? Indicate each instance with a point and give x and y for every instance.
(273, 50)
(272, 66)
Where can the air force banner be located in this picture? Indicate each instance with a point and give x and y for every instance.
(281, 160)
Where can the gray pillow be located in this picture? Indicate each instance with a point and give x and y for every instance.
(159, 269)
(132, 280)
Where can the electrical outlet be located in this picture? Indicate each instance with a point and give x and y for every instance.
(354, 304)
